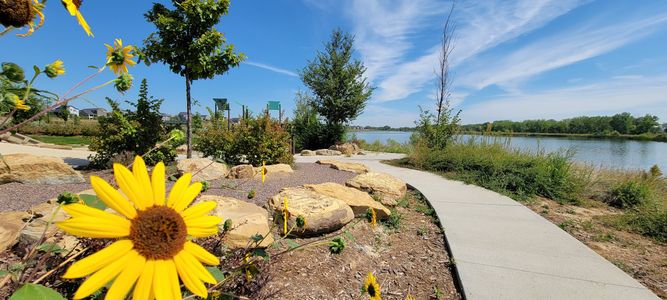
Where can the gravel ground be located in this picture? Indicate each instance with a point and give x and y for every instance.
(18, 196)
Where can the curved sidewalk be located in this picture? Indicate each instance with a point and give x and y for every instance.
(503, 250)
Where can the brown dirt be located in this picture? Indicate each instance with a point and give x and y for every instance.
(641, 257)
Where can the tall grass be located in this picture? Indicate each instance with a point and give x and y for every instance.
(391, 146)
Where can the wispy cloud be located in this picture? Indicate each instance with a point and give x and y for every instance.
(481, 25)
(561, 49)
(271, 68)
(637, 95)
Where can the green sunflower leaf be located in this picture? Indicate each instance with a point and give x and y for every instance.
(32, 291)
(93, 201)
(217, 274)
(291, 244)
(50, 248)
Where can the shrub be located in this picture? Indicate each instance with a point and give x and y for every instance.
(628, 194)
(651, 222)
(306, 127)
(256, 140)
(655, 171)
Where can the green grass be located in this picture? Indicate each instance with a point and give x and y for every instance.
(391, 146)
(63, 140)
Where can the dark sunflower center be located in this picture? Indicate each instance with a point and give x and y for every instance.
(371, 290)
(117, 57)
(158, 232)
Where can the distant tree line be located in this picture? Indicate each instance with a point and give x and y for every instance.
(622, 123)
(380, 128)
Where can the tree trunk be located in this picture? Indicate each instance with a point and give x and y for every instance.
(188, 125)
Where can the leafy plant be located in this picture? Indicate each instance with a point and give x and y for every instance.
(628, 194)
(337, 245)
(251, 194)
(394, 221)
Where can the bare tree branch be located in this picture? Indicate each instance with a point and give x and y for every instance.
(444, 80)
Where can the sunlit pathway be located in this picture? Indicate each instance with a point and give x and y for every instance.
(503, 250)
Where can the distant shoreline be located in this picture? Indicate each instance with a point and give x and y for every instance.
(641, 137)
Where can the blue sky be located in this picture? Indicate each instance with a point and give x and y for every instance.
(522, 59)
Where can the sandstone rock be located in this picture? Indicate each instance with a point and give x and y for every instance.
(307, 153)
(11, 223)
(274, 169)
(32, 169)
(345, 166)
(347, 148)
(247, 220)
(241, 172)
(359, 201)
(323, 214)
(202, 169)
(327, 152)
(388, 188)
(182, 149)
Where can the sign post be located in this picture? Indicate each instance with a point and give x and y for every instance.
(275, 105)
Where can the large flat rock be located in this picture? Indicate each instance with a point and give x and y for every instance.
(323, 214)
(247, 220)
(386, 187)
(33, 169)
(345, 166)
(202, 169)
(359, 201)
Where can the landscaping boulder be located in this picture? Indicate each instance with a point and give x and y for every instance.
(386, 187)
(323, 214)
(345, 166)
(274, 169)
(307, 153)
(327, 152)
(241, 172)
(347, 148)
(202, 169)
(11, 223)
(359, 201)
(32, 169)
(247, 220)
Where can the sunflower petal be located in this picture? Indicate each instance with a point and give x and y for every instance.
(104, 275)
(112, 198)
(196, 268)
(143, 290)
(201, 254)
(202, 232)
(127, 277)
(157, 182)
(173, 280)
(141, 175)
(99, 259)
(128, 184)
(187, 197)
(203, 222)
(94, 227)
(189, 279)
(179, 188)
(165, 282)
(77, 210)
(198, 210)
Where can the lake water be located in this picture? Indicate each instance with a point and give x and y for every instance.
(614, 153)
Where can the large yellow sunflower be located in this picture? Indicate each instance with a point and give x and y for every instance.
(153, 248)
(118, 57)
(372, 287)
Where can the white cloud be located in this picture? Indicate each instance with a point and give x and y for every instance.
(562, 49)
(481, 25)
(271, 68)
(636, 95)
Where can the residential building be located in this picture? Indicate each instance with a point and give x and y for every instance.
(72, 110)
(92, 113)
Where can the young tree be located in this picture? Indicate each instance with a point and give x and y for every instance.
(187, 41)
(306, 126)
(150, 129)
(339, 85)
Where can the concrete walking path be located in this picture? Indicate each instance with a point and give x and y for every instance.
(503, 250)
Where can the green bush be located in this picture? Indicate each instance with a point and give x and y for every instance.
(306, 127)
(651, 222)
(255, 140)
(519, 174)
(84, 128)
(628, 194)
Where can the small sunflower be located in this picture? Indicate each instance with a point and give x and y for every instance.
(20, 105)
(55, 69)
(372, 287)
(72, 7)
(118, 57)
(153, 248)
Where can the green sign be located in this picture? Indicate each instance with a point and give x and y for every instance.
(274, 105)
(221, 103)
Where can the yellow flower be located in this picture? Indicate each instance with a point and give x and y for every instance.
(248, 273)
(73, 9)
(20, 105)
(24, 13)
(118, 57)
(55, 69)
(409, 297)
(153, 232)
(372, 287)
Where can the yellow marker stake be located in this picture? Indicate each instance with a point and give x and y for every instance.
(263, 172)
(285, 216)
